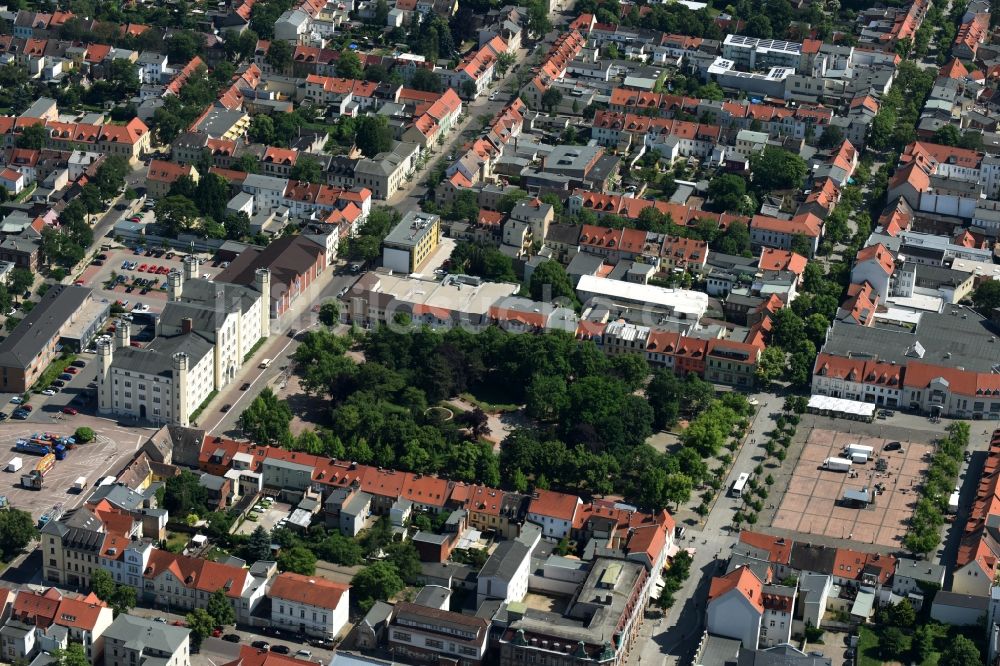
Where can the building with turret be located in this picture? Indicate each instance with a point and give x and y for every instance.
(203, 335)
(164, 382)
(233, 318)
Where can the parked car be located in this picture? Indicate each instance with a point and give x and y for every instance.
(160, 619)
(893, 446)
(260, 645)
(60, 383)
(20, 414)
(71, 370)
(17, 400)
(66, 377)
(27, 408)
(303, 654)
(4, 416)
(280, 649)
(48, 392)
(79, 363)
(72, 411)
(246, 385)
(226, 407)
(231, 638)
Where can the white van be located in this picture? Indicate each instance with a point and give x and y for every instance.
(263, 364)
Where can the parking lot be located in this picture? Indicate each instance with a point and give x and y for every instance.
(266, 519)
(92, 461)
(813, 502)
(116, 282)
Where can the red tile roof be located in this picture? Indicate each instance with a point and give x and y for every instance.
(554, 505)
(743, 581)
(307, 590)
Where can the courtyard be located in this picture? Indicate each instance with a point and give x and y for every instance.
(813, 502)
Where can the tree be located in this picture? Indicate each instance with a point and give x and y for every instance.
(728, 193)
(21, 280)
(307, 168)
(377, 582)
(374, 135)
(551, 98)
(32, 137)
(17, 530)
(349, 65)
(381, 16)
(961, 652)
(986, 297)
(72, 655)
(426, 80)
(677, 489)
(759, 26)
(102, 585)
(831, 137)
(549, 282)
(298, 559)
(266, 419)
(802, 244)
(201, 625)
(504, 62)
(771, 365)
(177, 214)
(220, 609)
(947, 135)
(902, 615)
(182, 46)
(538, 18)
(777, 169)
(261, 129)
(279, 54)
(329, 313)
(893, 643)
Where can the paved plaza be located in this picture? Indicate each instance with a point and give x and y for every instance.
(813, 502)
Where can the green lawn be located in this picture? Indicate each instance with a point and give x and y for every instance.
(868, 648)
(484, 398)
(176, 541)
(54, 370)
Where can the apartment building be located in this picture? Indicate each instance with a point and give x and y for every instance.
(308, 605)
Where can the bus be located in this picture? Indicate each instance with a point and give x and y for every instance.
(740, 484)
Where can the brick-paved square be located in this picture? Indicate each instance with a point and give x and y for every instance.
(812, 504)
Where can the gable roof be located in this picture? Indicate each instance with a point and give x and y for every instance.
(743, 581)
(307, 590)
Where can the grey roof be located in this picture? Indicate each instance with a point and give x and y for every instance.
(345, 659)
(356, 504)
(565, 234)
(505, 560)
(379, 614)
(117, 495)
(139, 633)
(720, 651)
(922, 570)
(970, 601)
(781, 655)
(211, 482)
(435, 596)
(818, 558)
(956, 337)
(430, 537)
(411, 229)
(219, 121)
(157, 358)
(37, 329)
(228, 297)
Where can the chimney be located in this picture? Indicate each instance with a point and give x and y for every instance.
(187, 325)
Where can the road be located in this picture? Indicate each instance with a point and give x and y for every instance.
(671, 639)
(414, 190)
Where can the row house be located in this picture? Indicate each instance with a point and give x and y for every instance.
(435, 120)
(978, 561)
(553, 67)
(767, 231)
(186, 583)
(720, 361)
(47, 621)
(477, 69)
(290, 474)
(630, 207)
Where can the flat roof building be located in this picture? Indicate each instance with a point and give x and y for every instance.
(411, 241)
(35, 343)
(674, 303)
